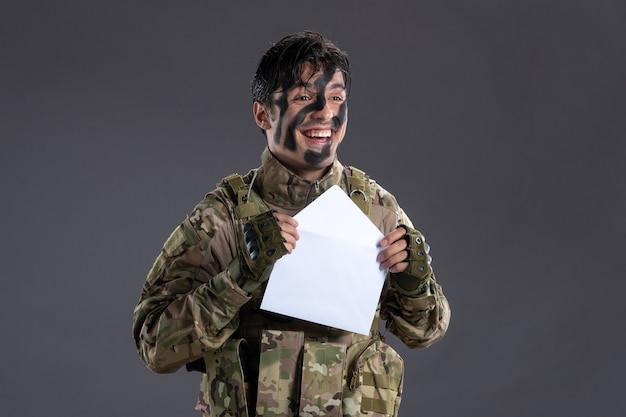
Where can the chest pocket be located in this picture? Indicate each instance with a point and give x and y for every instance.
(374, 387)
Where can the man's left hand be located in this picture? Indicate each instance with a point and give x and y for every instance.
(394, 255)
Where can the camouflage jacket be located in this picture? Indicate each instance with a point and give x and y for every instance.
(190, 308)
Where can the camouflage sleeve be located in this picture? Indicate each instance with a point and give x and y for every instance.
(418, 318)
(189, 304)
(418, 321)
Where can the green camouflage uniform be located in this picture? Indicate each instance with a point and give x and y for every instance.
(191, 312)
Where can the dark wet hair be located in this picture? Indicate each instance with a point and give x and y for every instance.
(282, 65)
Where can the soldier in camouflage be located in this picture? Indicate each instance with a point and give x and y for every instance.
(199, 306)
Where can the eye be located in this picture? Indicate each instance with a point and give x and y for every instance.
(336, 98)
(302, 98)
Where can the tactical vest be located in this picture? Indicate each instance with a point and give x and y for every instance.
(247, 203)
(298, 368)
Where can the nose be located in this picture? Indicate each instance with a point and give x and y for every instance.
(323, 111)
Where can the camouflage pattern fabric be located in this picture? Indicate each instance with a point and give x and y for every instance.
(323, 369)
(375, 381)
(191, 307)
(279, 373)
(225, 390)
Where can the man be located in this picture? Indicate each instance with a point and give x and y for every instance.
(199, 307)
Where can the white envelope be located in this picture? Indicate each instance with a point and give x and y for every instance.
(332, 277)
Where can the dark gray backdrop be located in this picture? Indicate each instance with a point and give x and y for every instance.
(499, 126)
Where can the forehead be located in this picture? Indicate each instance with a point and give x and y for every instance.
(314, 80)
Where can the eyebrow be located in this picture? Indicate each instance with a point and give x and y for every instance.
(338, 85)
(308, 85)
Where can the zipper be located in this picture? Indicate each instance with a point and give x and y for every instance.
(316, 186)
(355, 381)
(357, 370)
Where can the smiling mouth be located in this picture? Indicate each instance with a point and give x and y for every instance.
(321, 136)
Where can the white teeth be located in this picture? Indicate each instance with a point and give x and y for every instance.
(318, 133)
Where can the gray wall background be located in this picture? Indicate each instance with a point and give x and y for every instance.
(498, 125)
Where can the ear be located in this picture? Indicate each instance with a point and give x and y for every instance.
(261, 115)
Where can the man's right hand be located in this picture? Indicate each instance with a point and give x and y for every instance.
(288, 230)
(265, 239)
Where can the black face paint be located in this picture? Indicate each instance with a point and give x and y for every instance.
(311, 157)
(316, 158)
(282, 105)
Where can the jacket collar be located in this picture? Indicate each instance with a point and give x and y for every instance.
(280, 187)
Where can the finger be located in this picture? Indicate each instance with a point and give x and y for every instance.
(392, 237)
(289, 240)
(398, 246)
(290, 230)
(399, 267)
(395, 262)
(285, 218)
(289, 247)
(287, 224)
